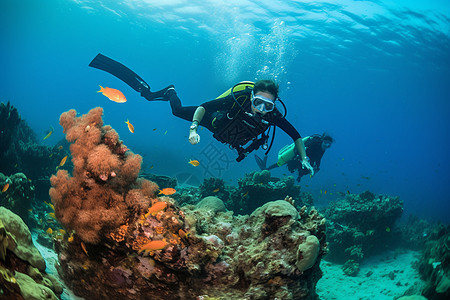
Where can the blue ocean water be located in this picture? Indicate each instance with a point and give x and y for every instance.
(374, 74)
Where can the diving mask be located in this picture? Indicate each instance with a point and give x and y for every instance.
(262, 103)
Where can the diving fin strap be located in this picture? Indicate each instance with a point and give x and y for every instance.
(161, 95)
(117, 69)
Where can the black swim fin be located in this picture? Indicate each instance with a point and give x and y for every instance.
(261, 162)
(138, 84)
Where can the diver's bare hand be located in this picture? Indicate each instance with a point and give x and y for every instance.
(194, 138)
(307, 165)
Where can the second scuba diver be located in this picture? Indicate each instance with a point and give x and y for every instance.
(239, 117)
(316, 145)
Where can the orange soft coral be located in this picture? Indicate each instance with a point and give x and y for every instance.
(104, 190)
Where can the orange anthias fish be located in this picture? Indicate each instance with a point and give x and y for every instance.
(130, 126)
(5, 187)
(84, 248)
(156, 208)
(195, 163)
(167, 191)
(154, 245)
(113, 94)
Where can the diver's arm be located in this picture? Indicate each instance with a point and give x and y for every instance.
(300, 147)
(194, 138)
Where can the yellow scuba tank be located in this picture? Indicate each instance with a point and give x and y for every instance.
(286, 154)
(237, 88)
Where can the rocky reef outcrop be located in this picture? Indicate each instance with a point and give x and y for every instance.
(22, 268)
(434, 264)
(361, 225)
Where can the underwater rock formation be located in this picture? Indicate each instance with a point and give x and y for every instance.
(21, 153)
(434, 265)
(258, 188)
(9, 120)
(19, 194)
(360, 225)
(22, 267)
(126, 242)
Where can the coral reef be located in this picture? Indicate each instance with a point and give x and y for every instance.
(360, 225)
(434, 265)
(257, 188)
(19, 195)
(22, 267)
(9, 121)
(414, 232)
(125, 241)
(21, 153)
(214, 187)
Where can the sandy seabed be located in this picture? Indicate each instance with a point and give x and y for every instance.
(383, 277)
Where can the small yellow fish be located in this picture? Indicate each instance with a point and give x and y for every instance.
(152, 167)
(50, 205)
(62, 231)
(130, 126)
(48, 134)
(60, 147)
(70, 239)
(5, 187)
(183, 234)
(325, 192)
(49, 230)
(216, 190)
(52, 215)
(113, 94)
(154, 129)
(195, 163)
(245, 194)
(62, 162)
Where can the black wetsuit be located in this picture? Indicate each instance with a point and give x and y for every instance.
(314, 151)
(219, 111)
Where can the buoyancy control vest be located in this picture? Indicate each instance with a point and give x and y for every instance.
(238, 127)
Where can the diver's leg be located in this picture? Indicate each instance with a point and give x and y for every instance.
(178, 110)
(275, 165)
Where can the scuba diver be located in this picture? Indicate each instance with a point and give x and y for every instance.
(315, 145)
(240, 117)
